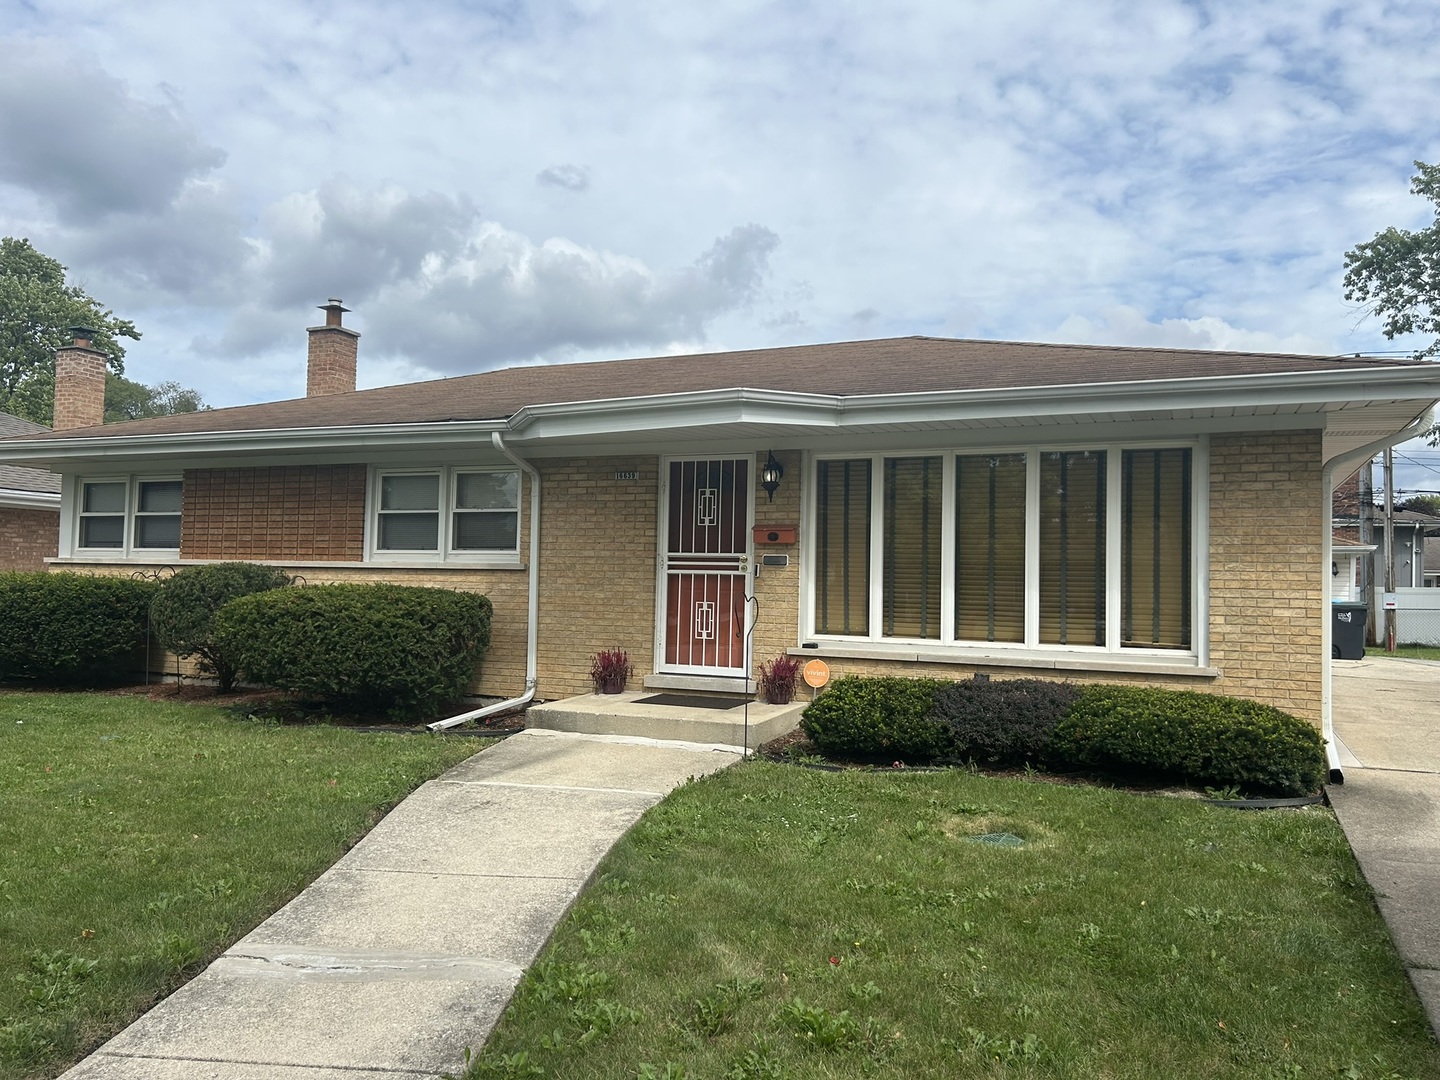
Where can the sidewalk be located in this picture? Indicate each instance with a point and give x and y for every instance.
(407, 950)
(1387, 721)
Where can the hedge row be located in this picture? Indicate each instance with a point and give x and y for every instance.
(370, 648)
(72, 628)
(1137, 731)
(396, 648)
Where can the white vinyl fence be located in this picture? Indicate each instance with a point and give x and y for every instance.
(1417, 617)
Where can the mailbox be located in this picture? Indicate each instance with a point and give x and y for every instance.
(776, 534)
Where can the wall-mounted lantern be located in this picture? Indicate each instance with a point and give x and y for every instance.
(770, 475)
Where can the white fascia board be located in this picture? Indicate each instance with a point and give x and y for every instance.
(52, 452)
(669, 411)
(17, 499)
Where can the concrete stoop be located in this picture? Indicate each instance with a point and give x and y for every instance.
(625, 714)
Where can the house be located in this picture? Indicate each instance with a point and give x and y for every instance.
(29, 506)
(909, 505)
(1359, 561)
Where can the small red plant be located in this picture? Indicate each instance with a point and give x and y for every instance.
(777, 679)
(609, 670)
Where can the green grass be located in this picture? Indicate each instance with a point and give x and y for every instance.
(1407, 652)
(138, 839)
(773, 921)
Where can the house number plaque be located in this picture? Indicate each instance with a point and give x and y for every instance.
(631, 474)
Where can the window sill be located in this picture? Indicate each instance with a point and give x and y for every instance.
(1100, 663)
(292, 564)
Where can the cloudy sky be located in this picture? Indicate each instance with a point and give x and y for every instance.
(496, 183)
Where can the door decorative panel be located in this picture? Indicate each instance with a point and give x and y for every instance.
(707, 566)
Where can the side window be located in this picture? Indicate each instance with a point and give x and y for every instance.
(444, 513)
(409, 513)
(102, 514)
(157, 514)
(486, 514)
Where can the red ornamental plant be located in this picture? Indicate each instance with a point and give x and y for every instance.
(777, 679)
(609, 671)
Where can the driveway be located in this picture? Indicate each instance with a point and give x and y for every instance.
(1387, 727)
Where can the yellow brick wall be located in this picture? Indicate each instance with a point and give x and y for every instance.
(1266, 603)
(1266, 599)
(597, 554)
(777, 589)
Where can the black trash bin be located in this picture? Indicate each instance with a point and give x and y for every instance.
(1347, 631)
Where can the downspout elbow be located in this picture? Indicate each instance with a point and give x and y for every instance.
(532, 635)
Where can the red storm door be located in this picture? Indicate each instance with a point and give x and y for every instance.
(707, 566)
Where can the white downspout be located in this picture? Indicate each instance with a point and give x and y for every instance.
(1327, 485)
(532, 633)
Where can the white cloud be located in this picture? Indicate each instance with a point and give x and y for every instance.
(1122, 325)
(1172, 173)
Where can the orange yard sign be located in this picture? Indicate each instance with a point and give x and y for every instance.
(817, 673)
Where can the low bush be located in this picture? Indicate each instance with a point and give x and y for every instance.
(183, 614)
(393, 648)
(610, 670)
(1199, 738)
(778, 678)
(72, 628)
(1003, 722)
(878, 719)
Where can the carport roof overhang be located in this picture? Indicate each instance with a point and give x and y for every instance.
(1352, 407)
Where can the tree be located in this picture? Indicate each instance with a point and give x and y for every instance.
(129, 400)
(1397, 275)
(37, 309)
(1422, 504)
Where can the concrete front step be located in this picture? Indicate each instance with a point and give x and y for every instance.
(623, 714)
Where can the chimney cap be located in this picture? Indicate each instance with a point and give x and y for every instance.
(85, 333)
(333, 309)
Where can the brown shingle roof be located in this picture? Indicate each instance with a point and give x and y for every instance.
(884, 366)
(16, 477)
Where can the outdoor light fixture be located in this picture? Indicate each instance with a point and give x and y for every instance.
(770, 475)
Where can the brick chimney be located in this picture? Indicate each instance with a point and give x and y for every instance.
(331, 369)
(79, 383)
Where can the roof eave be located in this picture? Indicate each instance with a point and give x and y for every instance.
(669, 412)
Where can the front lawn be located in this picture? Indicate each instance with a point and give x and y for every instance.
(773, 921)
(140, 838)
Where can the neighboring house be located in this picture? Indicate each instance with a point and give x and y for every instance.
(912, 505)
(1349, 563)
(29, 507)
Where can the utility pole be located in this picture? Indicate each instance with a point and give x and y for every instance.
(1389, 547)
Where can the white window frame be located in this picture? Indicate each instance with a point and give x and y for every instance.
(947, 643)
(445, 551)
(128, 549)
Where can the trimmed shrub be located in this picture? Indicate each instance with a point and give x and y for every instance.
(72, 628)
(183, 614)
(1199, 738)
(1003, 722)
(878, 719)
(400, 649)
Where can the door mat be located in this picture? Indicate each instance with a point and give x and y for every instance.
(688, 701)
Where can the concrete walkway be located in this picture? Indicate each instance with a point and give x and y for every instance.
(407, 950)
(1387, 724)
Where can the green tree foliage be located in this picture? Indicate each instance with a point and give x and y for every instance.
(1397, 275)
(1423, 504)
(126, 399)
(37, 308)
